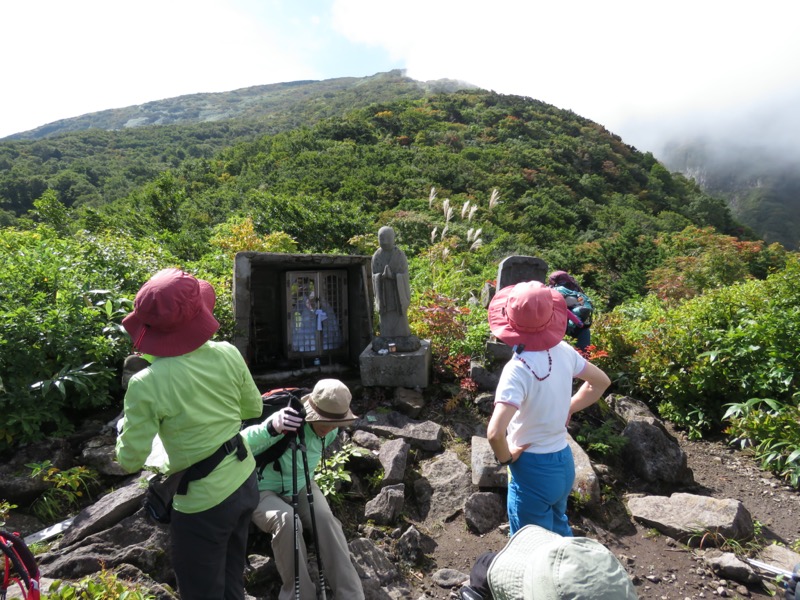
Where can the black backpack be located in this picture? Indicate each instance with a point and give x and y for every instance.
(272, 401)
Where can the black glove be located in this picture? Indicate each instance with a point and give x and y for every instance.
(791, 586)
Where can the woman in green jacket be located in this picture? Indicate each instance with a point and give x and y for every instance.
(194, 396)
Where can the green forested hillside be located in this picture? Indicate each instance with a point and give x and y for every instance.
(570, 190)
(686, 298)
(761, 188)
(99, 157)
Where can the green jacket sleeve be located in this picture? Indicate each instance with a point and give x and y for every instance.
(139, 427)
(258, 438)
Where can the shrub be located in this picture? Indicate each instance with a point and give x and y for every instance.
(61, 303)
(768, 429)
(724, 347)
(104, 585)
(332, 471)
(66, 492)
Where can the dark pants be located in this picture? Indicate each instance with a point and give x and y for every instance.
(479, 575)
(209, 548)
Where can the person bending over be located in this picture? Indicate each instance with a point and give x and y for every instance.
(327, 408)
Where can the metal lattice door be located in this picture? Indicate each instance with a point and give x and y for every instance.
(316, 313)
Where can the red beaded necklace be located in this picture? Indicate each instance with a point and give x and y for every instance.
(549, 366)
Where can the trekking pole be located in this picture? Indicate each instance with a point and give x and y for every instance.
(296, 520)
(773, 569)
(310, 495)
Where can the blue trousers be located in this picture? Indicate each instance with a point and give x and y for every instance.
(538, 490)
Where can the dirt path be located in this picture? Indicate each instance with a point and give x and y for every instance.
(661, 568)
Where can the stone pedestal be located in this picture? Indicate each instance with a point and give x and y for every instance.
(396, 369)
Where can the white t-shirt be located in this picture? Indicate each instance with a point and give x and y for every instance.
(542, 406)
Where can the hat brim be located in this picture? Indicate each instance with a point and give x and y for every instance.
(502, 329)
(536, 563)
(506, 575)
(189, 337)
(313, 416)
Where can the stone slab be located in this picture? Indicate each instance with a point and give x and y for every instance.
(398, 369)
(515, 269)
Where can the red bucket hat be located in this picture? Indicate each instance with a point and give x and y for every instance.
(528, 313)
(172, 314)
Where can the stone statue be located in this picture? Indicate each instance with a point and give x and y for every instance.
(392, 293)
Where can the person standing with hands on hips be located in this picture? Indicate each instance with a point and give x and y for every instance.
(534, 402)
(194, 396)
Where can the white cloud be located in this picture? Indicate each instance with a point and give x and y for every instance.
(615, 62)
(630, 65)
(70, 58)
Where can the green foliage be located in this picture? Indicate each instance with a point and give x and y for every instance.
(104, 585)
(80, 378)
(61, 303)
(5, 508)
(375, 479)
(438, 318)
(768, 429)
(724, 347)
(97, 213)
(603, 441)
(699, 259)
(65, 494)
(52, 212)
(473, 344)
(332, 471)
(238, 234)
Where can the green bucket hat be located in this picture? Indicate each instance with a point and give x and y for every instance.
(538, 564)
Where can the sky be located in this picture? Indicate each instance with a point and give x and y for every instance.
(644, 69)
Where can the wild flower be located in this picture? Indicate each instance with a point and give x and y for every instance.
(447, 210)
(494, 199)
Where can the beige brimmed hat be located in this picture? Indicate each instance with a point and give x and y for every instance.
(537, 564)
(329, 403)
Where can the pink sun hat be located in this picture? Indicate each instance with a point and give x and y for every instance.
(172, 314)
(528, 313)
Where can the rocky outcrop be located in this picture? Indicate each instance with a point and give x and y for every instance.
(422, 483)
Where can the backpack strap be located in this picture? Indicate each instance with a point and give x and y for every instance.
(204, 467)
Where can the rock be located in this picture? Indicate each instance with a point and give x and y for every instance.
(484, 511)
(387, 506)
(379, 575)
(425, 435)
(444, 487)
(486, 471)
(412, 545)
(393, 456)
(694, 519)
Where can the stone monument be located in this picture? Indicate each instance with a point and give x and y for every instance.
(395, 357)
